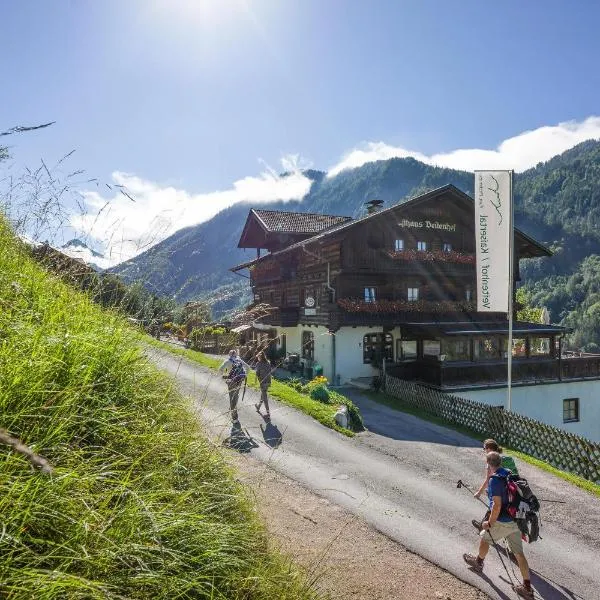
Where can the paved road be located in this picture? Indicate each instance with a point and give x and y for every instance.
(401, 476)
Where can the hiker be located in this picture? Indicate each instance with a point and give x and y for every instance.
(500, 525)
(508, 462)
(234, 373)
(263, 374)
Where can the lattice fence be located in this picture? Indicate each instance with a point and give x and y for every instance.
(559, 448)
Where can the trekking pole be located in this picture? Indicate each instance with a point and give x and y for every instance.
(461, 484)
(244, 392)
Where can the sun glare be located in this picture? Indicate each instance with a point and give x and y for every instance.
(205, 12)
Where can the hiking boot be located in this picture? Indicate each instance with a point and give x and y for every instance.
(473, 562)
(524, 592)
(476, 524)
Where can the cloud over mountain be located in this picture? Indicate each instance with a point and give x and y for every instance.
(520, 152)
(125, 224)
(140, 213)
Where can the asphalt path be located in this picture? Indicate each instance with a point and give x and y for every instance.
(400, 477)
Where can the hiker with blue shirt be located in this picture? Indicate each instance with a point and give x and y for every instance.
(234, 373)
(500, 525)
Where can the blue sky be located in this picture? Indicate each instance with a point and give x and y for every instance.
(194, 95)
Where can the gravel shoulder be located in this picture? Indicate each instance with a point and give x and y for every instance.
(344, 555)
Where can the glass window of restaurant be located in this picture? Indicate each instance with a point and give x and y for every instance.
(486, 348)
(539, 346)
(406, 349)
(431, 348)
(456, 348)
(519, 347)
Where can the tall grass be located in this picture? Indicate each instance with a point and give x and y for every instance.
(138, 503)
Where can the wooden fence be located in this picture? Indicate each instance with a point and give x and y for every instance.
(563, 450)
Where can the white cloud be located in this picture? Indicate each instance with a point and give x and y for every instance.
(126, 227)
(129, 224)
(520, 152)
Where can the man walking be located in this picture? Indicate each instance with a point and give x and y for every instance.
(234, 374)
(263, 374)
(500, 525)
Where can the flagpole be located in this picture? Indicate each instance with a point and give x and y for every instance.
(511, 243)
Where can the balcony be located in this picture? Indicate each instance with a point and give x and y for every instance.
(409, 261)
(456, 375)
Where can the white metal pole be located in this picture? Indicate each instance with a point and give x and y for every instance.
(511, 245)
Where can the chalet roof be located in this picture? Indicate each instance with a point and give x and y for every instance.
(273, 229)
(526, 244)
(297, 222)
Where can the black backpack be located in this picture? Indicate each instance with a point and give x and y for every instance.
(522, 506)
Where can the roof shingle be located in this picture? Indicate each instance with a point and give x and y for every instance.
(296, 222)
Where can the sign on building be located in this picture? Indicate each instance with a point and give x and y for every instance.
(493, 228)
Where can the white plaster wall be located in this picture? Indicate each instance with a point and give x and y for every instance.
(545, 403)
(349, 352)
(323, 345)
(293, 337)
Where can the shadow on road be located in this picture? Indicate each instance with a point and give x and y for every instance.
(239, 439)
(548, 589)
(271, 434)
(395, 424)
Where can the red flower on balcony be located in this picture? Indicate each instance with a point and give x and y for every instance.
(356, 305)
(455, 257)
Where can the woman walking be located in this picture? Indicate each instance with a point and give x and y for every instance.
(263, 374)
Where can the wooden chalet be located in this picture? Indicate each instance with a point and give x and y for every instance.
(398, 283)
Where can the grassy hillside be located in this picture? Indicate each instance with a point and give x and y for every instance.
(138, 505)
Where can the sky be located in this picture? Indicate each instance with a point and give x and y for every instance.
(194, 105)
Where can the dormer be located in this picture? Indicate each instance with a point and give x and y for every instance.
(274, 230)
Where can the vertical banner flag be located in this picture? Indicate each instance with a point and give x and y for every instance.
(493, 199)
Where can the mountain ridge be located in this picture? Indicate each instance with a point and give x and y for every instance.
(557, 202)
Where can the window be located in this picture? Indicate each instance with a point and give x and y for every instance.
(308, 345)
(519, 349)
(446, 247)
(456, 349)
(407, 349)
(539, 346)
(431, 348)
(570, 410)
(422, 246)
(399, 245)
(486, 348)
(412, 294)
(369, 294)
(376, 347)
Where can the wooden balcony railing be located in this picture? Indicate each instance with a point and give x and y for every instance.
(473, 374)
(410, 261)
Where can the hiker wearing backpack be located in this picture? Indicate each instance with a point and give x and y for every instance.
(500, 525)
(234, 373)
(508, 463)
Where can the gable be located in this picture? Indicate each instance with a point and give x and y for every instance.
(272, 229)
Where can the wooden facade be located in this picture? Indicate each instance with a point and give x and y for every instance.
(413, 263)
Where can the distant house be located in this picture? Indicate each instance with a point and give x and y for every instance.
(398, 285)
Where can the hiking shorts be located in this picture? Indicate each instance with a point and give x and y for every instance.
(509, 531)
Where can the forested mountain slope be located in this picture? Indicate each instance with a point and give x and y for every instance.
(557, 202)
